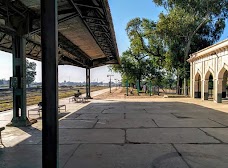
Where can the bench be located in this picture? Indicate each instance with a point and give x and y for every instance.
(39, 109)
(81, 99)
(1, 129)
(75, 97)
(71, 99)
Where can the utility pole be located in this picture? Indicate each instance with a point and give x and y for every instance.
(116, 83)
(110, 82)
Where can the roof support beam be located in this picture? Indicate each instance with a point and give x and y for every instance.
(73, 61)
(89, 6)
(68, 17)
(67, 45)
(7, 30)
(94, 18)
(97, 24)
(66, 11)
(64, 19)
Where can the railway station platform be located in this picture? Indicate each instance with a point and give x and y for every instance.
(128, 133)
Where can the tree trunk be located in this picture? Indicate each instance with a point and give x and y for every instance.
(139, 83)
(180, 86)
(185, 62)
(185, 86)
(177, 86)
(187, 49)
(139, 80)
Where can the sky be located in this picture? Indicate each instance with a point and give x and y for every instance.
(122, 11)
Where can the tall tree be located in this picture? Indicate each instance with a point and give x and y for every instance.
(132, 66)
(144, 59)
(30, 72)
(188, 21)
(143, 38)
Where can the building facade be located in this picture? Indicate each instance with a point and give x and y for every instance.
(209, 72)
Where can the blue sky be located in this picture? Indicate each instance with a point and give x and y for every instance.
(122, 11)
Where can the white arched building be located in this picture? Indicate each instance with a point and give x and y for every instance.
(209, 72)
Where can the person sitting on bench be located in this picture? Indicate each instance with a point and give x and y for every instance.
(78, 97)
(40, 104)
(78, 94)
(131, 91)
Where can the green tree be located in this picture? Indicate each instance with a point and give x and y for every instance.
(30, 72)
(131, 67)
(144, 59)
(138, 67)
(189, 26)
(144, 39)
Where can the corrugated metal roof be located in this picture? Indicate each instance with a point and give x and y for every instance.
(86, 33)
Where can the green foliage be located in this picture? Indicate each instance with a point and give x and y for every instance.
(189, 26)
(159, 50)
(143, 37)
(188, 20)
(30, 72)
(131, 66)
(144, 60)
(216, 8)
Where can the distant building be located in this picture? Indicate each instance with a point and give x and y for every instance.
(4, 82)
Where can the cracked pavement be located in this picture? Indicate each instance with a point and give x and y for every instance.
(150, 133)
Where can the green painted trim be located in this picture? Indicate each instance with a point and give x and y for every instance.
(197, 95)
(127, 86)
(206, 95)
(223, 94)
(219, 98)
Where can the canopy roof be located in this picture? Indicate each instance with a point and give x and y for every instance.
(86, 33)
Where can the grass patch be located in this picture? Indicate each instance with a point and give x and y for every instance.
(36, 97)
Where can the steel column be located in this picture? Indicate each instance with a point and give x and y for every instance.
(88, 83)
(49, 40)
(18, 82)
(110, 82)
(127, 87)
(137, 83)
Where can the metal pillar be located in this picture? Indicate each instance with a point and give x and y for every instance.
(127, 86)
(110, 82)
(18, 82)
(137, 82)
(88, 83)
(49, 40)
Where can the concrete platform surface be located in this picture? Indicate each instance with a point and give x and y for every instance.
(126, 133)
